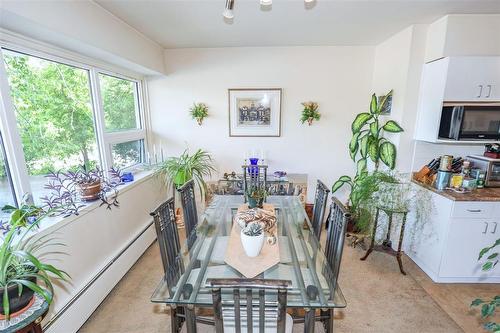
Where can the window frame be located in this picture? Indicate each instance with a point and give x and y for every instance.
(8, 122)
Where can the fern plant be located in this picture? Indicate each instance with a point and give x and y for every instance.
(310, 112)
(199, 111)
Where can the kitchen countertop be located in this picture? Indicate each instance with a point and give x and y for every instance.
(482, 194)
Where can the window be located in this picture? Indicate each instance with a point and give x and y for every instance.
(7, 196)
(67, 115)
(54, 114)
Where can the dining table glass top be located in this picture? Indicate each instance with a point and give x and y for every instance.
(302, 260)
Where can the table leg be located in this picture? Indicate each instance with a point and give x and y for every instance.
(190, 319)
(372, 243)
(309, 321)
(401, 235)
(328, 323)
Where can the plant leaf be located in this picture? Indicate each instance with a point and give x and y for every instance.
(374, 129)
(360, 121)
(363, 145)
(353, 145)
(373, 149)
(487, 266)
(388, 154)
(493, 256)
(392, 127)
(373, 105)
(383, 101)
(337, 185)
(483, 252)
(476, 302)
(487, 310)
(345, 178)
(361, 166)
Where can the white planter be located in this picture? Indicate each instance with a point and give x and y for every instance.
(252, 244)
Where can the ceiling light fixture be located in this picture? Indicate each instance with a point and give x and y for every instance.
(309, 1)
(266, 2)
(228, 10)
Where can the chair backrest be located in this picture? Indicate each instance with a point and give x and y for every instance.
(168, 241)
(319, 209)
(254, 176)
(263, 301)
(338, 218)
(190, 213)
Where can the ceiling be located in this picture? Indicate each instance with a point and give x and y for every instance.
(188, 23)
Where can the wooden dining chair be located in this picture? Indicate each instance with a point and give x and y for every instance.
(190, 213)
(319, 209)
(168, 241)
(254, 176)
(262, 307)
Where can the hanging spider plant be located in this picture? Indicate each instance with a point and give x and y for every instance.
(179, 170)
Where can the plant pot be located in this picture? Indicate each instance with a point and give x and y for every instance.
(255, 202)
(90, 192)
(252, 244)
(310, 120)
(16, 302)
(199, 120)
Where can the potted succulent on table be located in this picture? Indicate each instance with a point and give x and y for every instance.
(256, 196)
(252, 239)
(199, 111)
(310, 112)
(22, 273)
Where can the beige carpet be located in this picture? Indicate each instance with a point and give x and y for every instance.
(379, 298)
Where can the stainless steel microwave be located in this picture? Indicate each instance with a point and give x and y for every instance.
(470, 121)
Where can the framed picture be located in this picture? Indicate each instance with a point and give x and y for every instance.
(386, 110)
(254, 112)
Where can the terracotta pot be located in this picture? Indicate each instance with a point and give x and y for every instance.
(90, 192)
(17, 302)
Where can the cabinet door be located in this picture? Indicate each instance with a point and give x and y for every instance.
(473, 79)
(466, 238)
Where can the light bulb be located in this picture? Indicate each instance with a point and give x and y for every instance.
(228, 13)
(309, 1)
(266, 2)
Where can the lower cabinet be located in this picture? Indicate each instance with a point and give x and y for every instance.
(446, 245)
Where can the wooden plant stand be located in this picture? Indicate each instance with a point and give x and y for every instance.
(386, 245)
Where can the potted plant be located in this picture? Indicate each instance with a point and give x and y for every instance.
(310, 112)
(179, 170)
(22, 273)
(199, 111)
(368, 143)
(256, 197)
(252, 239)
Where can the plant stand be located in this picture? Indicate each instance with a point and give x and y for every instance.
(28, 321)
(386, 245)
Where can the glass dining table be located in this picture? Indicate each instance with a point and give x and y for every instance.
(301, 260)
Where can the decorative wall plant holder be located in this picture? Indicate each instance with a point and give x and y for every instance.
(310, 113)
(199, 111)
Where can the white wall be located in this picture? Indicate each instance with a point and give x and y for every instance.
(398, 66)
(338, 78)
(86, 28)
(463, 35)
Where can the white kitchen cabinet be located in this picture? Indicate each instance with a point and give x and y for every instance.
(454, 79)
(447, 245)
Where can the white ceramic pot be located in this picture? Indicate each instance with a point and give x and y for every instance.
(252, 244)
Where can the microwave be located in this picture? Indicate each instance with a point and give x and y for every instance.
(490, 165)
(470, 121)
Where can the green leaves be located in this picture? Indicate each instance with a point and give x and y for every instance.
(487, 310)
(360, 121)
(373, 105)
(353, 145)
(476, 302)
(340, 182)
(392, 127)
(388, 154)
(361, 166)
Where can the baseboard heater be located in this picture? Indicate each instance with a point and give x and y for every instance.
(94, 279)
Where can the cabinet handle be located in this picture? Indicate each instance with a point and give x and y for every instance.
(495, 228)
(486, 228)
(474, 210)
(480, 90)
(489, 91)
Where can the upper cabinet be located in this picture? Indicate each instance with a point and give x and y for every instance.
(472, 79)
(454, 79)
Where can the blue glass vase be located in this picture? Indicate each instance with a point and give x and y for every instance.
(253, 170)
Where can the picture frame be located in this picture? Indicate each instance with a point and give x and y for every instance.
(255, 112)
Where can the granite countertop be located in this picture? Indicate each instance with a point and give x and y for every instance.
(481, 194)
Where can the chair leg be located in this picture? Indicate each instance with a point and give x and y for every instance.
(309, 321)
(328, 323)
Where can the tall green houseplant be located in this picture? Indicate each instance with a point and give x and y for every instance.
(369, 143)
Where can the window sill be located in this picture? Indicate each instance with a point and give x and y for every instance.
(52, 224)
